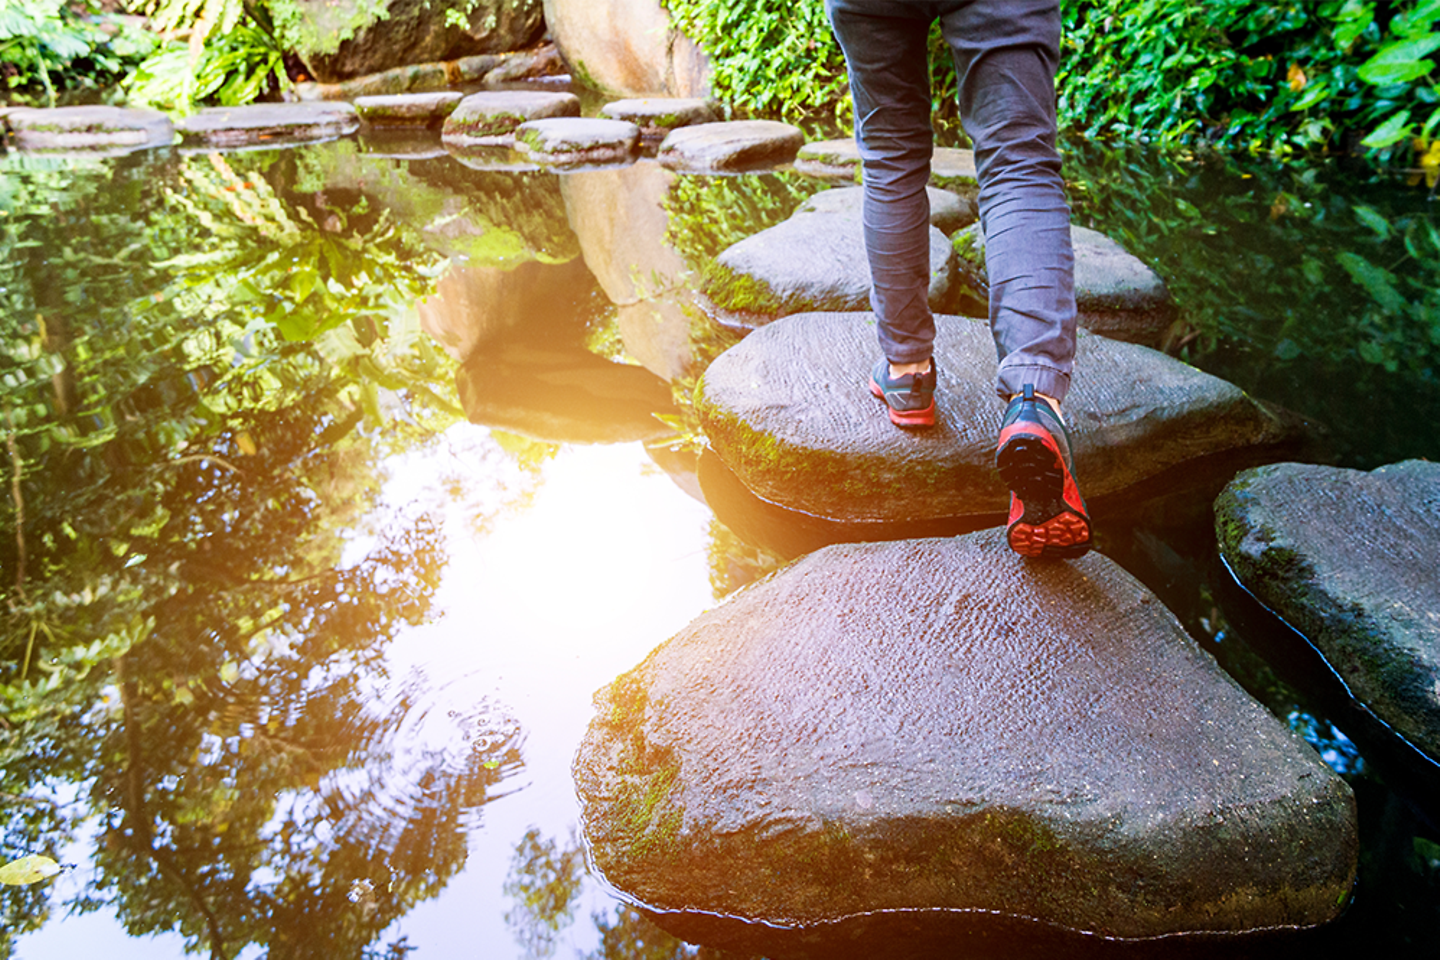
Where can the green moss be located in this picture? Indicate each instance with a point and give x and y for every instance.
(640, 814)
(739, 292)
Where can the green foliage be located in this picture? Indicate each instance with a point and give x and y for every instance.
(767, 58)
(1249, 74)
(49, 46)
(233, 68)
(1307, 285)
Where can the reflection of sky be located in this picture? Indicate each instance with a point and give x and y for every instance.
(560, 594)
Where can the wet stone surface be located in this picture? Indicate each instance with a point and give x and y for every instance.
(576, 140)
(657, 116)
(736, 145)
(491, 117)
(1116, 294)
(1351, 560)
(949, 211)
(815, 260)
(839, 159)
(71, 128)
(268, 123)
(1012, 739)
(408, 109)
(789, 411)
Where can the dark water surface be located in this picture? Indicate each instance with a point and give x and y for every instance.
(304, 616)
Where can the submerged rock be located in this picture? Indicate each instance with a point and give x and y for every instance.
(89, 128)
(813, 261)
(491, 117)
(1351, 560)
(789, 411)
(1116, 294)
(936, 727)
(733, 145)
(265, 123)
(563, 141)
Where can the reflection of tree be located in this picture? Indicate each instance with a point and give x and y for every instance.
(542, 884)
(188, 628)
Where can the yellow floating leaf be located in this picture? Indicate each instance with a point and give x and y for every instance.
(28, 870)
(1296, 77)
(246, 443)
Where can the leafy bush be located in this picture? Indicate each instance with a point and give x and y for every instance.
(1251, 74)
(52, 45)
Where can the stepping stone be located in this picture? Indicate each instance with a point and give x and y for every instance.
(657, 116)
(265, 123)
(86, 128)
(789, 411)
(734, 145)
(949, 212)
(571, 141)
(815, 260)
(830, 159)
(408, 109)
(1350, 560)
(954, 169)
(1116, 294)
(490, 118)
(936, 727)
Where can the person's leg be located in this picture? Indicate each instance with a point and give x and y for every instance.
(1006, 53)
(884, 43)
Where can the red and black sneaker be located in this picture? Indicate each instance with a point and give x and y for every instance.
(1047, 513)
(909, 398)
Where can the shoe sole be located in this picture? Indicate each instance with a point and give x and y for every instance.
(904, 418)
(1045, 524)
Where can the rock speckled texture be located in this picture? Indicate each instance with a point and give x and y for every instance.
(789, 411)
(976, 734)
(657, 116)
(948, 211)
(1352, 561)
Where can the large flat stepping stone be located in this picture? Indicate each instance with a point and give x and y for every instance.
(88, 128)
(490, 118)
(815, 260)
(657, 116)
(936, 727)
(1351, 560)
(954, 169)
(571, 141)
(1116, 294)
(262, 123)
(789, 411)
(408, 109)
(734, 145)
(949, 211)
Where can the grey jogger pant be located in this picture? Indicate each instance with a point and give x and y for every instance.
(1006, 53)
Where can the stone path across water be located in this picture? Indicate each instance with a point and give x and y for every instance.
(1352, 561)
(789, 411)
(938, 725)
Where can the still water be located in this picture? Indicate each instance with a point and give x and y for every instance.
(304, 614)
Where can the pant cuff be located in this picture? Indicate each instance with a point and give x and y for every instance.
(1047, 380)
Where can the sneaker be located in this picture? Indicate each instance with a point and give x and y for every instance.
(910, 399)
(1047, 513)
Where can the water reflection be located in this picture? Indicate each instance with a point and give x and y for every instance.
(279, 624)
